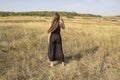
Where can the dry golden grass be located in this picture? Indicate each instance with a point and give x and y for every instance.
(91, 49)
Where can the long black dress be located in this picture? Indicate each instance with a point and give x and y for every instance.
(55, 51)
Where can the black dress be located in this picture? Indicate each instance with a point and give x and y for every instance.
(55, 51)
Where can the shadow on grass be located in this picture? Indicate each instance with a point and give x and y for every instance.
(81, 53)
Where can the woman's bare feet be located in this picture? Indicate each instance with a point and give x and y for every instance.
(63, 64)
(51, 64)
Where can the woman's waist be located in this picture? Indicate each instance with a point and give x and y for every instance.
(56, 33)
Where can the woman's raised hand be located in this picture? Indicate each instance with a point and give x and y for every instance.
(62, 20)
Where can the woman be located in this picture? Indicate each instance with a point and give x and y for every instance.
(55, 52)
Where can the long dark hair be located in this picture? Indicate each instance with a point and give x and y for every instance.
(55, 22)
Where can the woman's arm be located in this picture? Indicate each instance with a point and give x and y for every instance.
(49, 37)
(62, 25)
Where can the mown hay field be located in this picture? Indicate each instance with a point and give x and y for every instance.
(91, 48)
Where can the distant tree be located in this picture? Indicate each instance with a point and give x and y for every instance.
(46, 13)
(118, 16)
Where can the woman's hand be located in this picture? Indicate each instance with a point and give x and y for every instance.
(62, 20)
(48, 41)
(62, 23)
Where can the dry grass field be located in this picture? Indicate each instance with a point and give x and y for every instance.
(91, 48)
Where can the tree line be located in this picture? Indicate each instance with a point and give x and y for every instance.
(46, 13)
